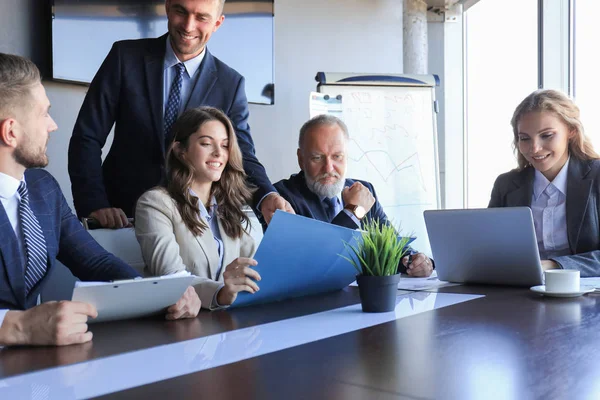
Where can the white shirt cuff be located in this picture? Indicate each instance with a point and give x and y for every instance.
(353, 217)
(261, 200)
(2, 315)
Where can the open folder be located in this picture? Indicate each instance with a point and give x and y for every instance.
(300, 256)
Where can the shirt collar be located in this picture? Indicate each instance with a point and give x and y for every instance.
(8, 185)
(204, 214)
(540, 182)
(191, 66)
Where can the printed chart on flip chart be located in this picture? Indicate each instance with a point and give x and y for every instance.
(392, 145)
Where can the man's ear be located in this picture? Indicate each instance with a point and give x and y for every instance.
(7, 132)
(219, 22)
(300, 159)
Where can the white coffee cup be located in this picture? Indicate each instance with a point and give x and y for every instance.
(562, 280)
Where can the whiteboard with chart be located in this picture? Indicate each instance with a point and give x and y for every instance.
(392, 126)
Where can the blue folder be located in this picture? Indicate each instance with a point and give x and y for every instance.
(300, 256)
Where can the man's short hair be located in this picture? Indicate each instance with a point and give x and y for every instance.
(221, 6)
(17, 76)
(319, 120)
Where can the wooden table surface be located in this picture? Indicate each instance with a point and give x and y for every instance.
(510, 344)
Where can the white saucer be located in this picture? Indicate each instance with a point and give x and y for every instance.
(541, 289)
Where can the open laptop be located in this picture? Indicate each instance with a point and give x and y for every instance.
(491, 245)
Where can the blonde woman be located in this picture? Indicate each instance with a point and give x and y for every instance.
(195, 222)
(558, 176)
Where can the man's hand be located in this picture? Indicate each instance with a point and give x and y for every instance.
(272, 203)
(53, 323)
(358, 195)
(112, 218)
(238, 277)
(420, 266)
(188, 306)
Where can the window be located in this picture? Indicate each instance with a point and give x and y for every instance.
(501, 68)
(586, 32)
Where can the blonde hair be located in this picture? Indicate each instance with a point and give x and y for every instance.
(17, 76)
(564, 108)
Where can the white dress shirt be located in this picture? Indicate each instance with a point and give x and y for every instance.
(10, 199)
(190, 77)
(549, 208)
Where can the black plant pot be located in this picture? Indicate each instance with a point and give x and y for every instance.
(378, 293)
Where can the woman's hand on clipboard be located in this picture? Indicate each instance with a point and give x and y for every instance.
(188, 306)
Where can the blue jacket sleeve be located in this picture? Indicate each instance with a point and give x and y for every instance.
(257, 175)
(79, 252)
(93, 125)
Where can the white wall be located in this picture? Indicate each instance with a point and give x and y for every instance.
(310, 36)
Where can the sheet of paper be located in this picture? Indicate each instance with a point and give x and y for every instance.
(320, 103)
(410, 283)
(595, 281)
(94, 283)
(300, 256)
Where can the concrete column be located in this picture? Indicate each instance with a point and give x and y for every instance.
(415, 37)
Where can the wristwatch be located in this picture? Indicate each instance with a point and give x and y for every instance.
(358, 211)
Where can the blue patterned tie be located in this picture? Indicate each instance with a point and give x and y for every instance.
(174, 101)
(329, 208)
(35, 243)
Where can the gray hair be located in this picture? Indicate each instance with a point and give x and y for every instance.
(320, 120)
(17, 76)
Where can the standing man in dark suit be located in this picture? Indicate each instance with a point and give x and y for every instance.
(321, 191)
(37, 226)
(141, 88)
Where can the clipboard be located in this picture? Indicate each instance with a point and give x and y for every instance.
(132, 298)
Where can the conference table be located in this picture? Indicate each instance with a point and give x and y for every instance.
(506, 343)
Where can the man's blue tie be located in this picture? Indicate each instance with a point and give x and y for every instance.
(35, 243)
(329, 208)
(174, 101)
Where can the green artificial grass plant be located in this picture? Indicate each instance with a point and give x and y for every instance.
(380, 251)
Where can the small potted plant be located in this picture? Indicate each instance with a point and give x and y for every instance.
(376, 258)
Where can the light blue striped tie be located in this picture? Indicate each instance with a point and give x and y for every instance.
(35, 243)
(174, 101)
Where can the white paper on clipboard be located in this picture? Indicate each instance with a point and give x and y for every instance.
(132, 298)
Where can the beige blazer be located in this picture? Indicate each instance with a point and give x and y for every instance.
(168, 246)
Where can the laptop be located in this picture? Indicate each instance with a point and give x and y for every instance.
(491, 246)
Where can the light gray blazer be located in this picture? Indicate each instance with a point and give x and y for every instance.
(168, 246)
(515, 188)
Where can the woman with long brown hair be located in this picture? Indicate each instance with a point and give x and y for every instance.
(558, 177)
(195, 221)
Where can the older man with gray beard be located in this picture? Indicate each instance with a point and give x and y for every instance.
(321, 191)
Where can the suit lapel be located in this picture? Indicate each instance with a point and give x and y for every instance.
(12, 258)
(153, 63)
(579, 187)
(204, 84)
(209, 247)
(521, 196)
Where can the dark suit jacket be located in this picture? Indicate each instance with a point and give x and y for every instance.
(515, 188)
(66, 241)
(306, 203)
(128, 91)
